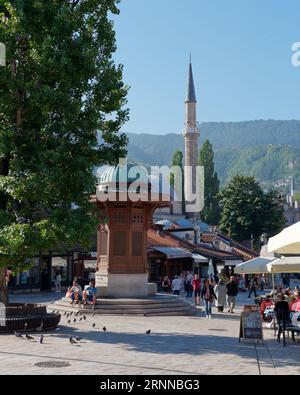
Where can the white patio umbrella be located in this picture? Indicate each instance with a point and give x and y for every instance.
(255, 266)
(285, 264)
(287, 242)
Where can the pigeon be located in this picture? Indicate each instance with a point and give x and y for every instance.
(19, 335)
(148, 332)
(78, 339)
(65, 313)
(72, 341)
(74, 320)
(94, 325)
(41, 339)
(69, 322)
(84, 317)
(80, 319)
(29, 337)
(104, 329)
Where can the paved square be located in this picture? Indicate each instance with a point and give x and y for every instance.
(176, 345)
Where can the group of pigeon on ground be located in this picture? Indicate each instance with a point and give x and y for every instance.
(72, 340)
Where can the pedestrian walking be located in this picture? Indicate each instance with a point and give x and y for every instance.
(176, 286)
(208, 295)
(232, 292)
(58, 281)
(253, 287)
(221, 293)
(196, 284)
(166, 284)
(188, 285)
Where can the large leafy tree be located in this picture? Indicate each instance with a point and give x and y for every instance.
(248, 212)
(59, 87)
(211, 211)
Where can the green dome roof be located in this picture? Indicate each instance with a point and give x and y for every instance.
(124, 173)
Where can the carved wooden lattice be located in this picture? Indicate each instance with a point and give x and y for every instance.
(137, 243)
(119, 244)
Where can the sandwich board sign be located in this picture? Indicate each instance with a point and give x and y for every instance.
(251, 324)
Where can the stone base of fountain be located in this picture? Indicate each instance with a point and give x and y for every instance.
(27, 318)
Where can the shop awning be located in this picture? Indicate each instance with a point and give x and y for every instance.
(59, 262)
(173, 252)
(90, 264)
(255, 266)
(199, 258)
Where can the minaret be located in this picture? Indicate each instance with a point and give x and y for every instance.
(191, 133)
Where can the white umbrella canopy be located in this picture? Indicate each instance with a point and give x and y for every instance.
(286, 242)
(255, 266)
(285, 264)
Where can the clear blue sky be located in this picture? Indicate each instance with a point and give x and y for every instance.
(241, 53)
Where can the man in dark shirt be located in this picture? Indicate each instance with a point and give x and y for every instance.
(232, 292)
(282, 310)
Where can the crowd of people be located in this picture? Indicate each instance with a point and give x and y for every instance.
(285, 299)
(217, 289)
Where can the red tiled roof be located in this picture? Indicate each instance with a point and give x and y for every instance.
(167, 239)
(155, 238)
(208, 237)
(238, 247)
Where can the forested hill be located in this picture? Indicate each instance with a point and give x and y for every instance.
(269, 150)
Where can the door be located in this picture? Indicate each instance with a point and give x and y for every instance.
(46, 274)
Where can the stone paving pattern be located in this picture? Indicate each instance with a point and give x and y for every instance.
(177, 345)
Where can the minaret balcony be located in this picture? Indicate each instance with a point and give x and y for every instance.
(191, 130)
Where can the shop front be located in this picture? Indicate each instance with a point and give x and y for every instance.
(43, 271)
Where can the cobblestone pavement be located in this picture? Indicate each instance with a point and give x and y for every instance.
(176, 345)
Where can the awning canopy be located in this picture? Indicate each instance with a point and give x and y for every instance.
(255, 266)
(286, 242)
(59, 262)
(199, 258)
(173, 252)
(285, 265)
(90, 264)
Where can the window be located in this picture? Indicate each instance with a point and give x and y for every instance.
(137, 243)
(119, 244)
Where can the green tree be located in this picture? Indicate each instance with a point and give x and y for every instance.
(211, 211)
(248, 212)
(177, 162)
(297, 197)
(59, 87)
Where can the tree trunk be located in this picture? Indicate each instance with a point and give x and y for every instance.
(3, 287)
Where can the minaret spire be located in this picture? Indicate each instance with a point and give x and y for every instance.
(191, 93)
(191, 135)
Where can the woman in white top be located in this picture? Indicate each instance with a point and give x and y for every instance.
(58, 281)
